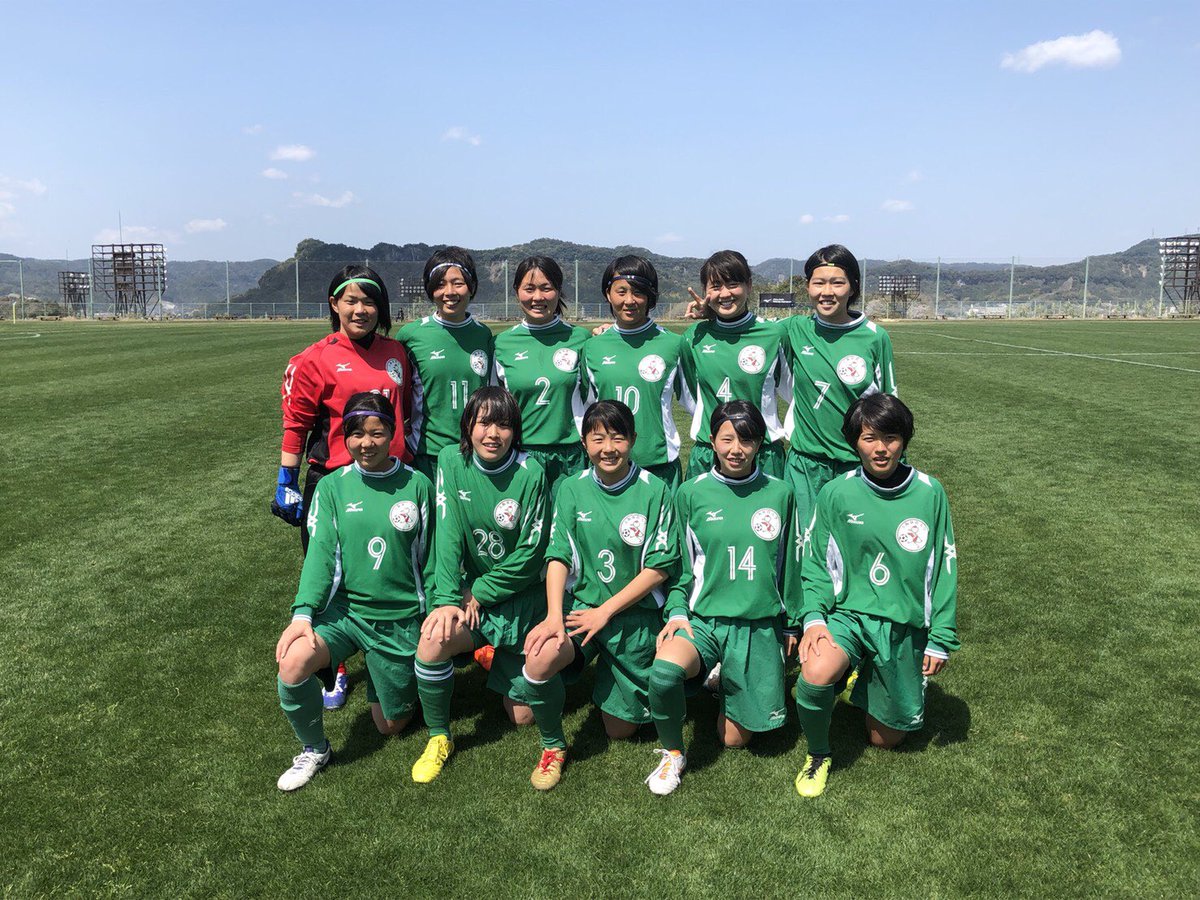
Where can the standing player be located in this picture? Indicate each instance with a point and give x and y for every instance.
(538, 361)
(319, 380)
(612, 545)
(362, 586)
(637, 363)
(880, 582)
(741, 538)
(492, 502)
(836, 356)
(734, 356)
(451, 352)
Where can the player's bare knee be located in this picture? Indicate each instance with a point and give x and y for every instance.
(818, 671)
(885, 740)
(294, 667)
(391, 726)
(619, 730)
(519, 714)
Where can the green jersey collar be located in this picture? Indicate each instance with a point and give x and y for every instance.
(853, 323)
(469, 320)
(391, 470)
(645, 326)
(734, 323)
(553, 323)
(888, 492)
(632, 474)
(735, 482)
(496, 469)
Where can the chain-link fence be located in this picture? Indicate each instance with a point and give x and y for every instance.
(1039, 288)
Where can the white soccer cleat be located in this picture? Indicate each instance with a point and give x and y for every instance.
(304, 768)
(665, 777)
(712, 681)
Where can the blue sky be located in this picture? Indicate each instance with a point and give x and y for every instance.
(234, 130)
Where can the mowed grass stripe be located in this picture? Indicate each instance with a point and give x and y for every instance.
(146, 584)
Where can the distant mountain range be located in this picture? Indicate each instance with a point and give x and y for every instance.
(264, 285)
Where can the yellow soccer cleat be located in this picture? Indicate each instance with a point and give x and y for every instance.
(548, 772)
(844, 696)
(429, 766)
(811, 780)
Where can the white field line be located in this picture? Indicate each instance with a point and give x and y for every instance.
(20, 336)
(1042, 350)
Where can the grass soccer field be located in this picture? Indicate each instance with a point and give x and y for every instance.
(145, 583)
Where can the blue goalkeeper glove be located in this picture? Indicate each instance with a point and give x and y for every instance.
(289, 502)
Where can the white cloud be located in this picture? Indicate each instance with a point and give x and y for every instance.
(838, 219)
(896, 206)
(1094, 50)
(807, 219)
(6, 208)
(345, 198)
(459, 133)
(24, 185)
(913, 176)
(293, 152)
(669, 237)
(197, 226)
(274, 173)
(252, 129)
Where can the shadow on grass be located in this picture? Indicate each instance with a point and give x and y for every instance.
(947, 721)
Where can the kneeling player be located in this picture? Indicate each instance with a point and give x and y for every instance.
(727, 606)
(880, 584)
(362, 585)
(612, 545)
(491, 500)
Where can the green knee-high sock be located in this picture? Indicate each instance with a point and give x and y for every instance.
(435, 687)
(814, 704)
(546, 699)
(668, 705)
(305, 710)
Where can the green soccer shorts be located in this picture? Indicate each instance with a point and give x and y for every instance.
(770, 459)
(807, 475)
(671, 473)
(505, 626)
(389, 649)
(559, 461)
(890, 685)
(751, 654)
(624, 653)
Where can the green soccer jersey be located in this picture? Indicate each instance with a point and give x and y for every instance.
(641, 368)
(370, 543)
(607, 535)
(831, 367)
(885, 553)
(490, 526)
(540, 365)
(739, 360)
(450, 362)
(740, 540)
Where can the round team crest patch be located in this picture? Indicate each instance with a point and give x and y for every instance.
(766, 523)
(404, 515)
(851, 369)
(506, 514)
(652, 367)
(633, 529)
(395, 370)
(564, 359)
(752, 359)
(478, 362)
(912, 535)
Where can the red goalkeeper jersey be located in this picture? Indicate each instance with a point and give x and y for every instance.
(321, 378)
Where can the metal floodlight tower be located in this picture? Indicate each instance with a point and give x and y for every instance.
(899, 290)
(73, 290)
(1180, 274)
(134, 276)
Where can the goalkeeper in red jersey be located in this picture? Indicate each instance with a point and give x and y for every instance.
(357, 356)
